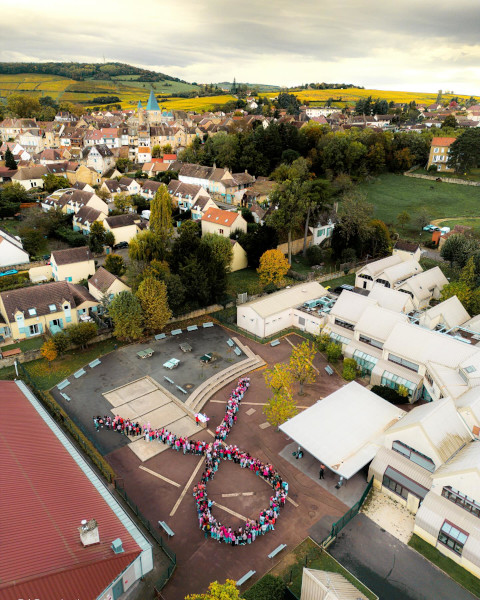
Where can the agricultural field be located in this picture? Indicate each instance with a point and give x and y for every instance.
(35, 85)
(198, 104)
(159, 87)
(392, 194)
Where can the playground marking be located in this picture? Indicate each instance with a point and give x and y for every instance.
(159, 476)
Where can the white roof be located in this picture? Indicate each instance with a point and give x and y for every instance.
(350, 306)
(439, 423)
(467, 459)
(344, 430)
(377, 267)
(327, 585)
(451, 312)
(287, 298)
(378, 322)
(388, 298)
(421, 284)
(402, 271)
(386, 457)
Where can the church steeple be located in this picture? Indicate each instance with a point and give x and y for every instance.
(152, 103)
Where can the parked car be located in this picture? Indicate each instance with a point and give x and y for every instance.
(431, 228)
(11, 272)
(120, 245)
(345, 286)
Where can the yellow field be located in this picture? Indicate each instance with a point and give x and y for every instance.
(352, 95)
(33, 84)
(197, 104)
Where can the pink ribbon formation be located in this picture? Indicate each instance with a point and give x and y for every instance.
(215, 452)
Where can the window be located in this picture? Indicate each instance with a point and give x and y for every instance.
(402, 485)
(32, 312)
(417, 457)
(462, 500)
(34, 329)
(319, 232)
(301, 321)
(52, 307)
(403, 362)
(220, 231)
(452, 537)
(371, 342)
(365, 276)
(383, 282)
(364, 360)
(344, 324)
(339, 339)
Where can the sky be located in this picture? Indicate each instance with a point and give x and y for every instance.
(379, 44)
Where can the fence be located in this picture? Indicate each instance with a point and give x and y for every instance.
(352, 512)
(170, 568)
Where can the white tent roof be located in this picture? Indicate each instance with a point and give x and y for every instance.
(344, 430)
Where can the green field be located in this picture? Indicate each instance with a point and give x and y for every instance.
(393, 194)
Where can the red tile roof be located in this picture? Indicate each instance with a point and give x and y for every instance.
(443, 141)
(48, 496)
(220, 217)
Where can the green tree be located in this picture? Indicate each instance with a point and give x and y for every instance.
(289, 211)
(156, 151)
(23, 105)
(279, 409)
(9, 160)
(269, 587)
(458, 249)
(221, 249)
(14, 193)
(350, 369)
(317, 199)
(301, 364)
(333, 351)
(403, 218)
(80, 334)
(161, 217)
(422, 217)
(145, 247)
(61, 342)
(464, 153)
(109, 239)
(450, 121)
(124, 165)
(53, 182)
(122, 202)
(352, 229)
(461, 290)
(96, 238)
(32, 239)
(115, 264)
(467, 275)
(153, 298)
(126, 312)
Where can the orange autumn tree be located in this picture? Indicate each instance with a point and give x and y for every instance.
(49, 350)
(273, 267)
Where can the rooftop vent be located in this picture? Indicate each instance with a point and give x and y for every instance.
(117, 546)
(89, 533)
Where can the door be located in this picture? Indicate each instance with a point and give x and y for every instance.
(364, 285)
(118, 589)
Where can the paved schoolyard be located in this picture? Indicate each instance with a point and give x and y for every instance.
(390, 568)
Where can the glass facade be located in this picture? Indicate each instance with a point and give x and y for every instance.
(462, 500)
(395, 381)
(452, 537)
(365, 361)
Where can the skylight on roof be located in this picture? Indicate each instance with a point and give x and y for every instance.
(470, 369)
(32, 312)
(52, 307)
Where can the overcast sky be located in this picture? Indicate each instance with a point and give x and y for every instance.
(385, 44)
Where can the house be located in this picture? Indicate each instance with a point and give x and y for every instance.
(187, 194)
(439, 150)
(30, 177)
(131, 185)
(223, 222)
(70, 201)
(424, 287)
(72, 264)
(76, 520)
(239, 257)
(144, 154)
(321, 232)
(150, 188)
(444, 316)
(201, 206)
(30, 311)
(100, 158)
(113, 187)
(387, 271)
(83, 174)
(102, 284)
(123, 227)
(83, 219)
(407, 250)
(11, 250)
(327, 585)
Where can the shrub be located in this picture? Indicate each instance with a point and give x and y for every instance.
(334, 351)
(81, 333)
(268, 588)
(314, 255)
(322, 342)
(350, 369)
(388, 394)
(270, 288)
(61, 342)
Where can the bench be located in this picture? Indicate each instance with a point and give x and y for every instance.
(209, 324)
(160, 336)
(245, 578)
(94, 363)
(192, 328)
(67, 398)
(230, 343)
(168, 379)
(275, 343)
(147, 353)
(79, 373)
(166, 528)
(176, 332)
(329, 370)
(277, 550)
(172, 363)
(181, 389)
(185, 347)
(63, 384)
(14, 352)
(237, 351)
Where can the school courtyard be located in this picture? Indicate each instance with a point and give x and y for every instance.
(160, 480)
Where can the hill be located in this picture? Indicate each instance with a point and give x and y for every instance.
(261, 87)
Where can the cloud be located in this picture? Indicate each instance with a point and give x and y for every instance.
(402, 45)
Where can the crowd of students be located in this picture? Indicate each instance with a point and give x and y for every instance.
(214, 452)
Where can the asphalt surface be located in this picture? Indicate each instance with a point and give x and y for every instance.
(391, 569)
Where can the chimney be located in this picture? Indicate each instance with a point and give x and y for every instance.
(89, 533)
(117, 546)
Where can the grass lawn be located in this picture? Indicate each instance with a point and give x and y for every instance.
(300, 264)
(309, 554)
(30, 344)
(474, 175)
(450, 567)
(392, 194)
(473, 223)
(333, 283)
(246, 280)
(46, 375)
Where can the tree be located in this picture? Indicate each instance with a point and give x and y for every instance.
(103, 194)
(14, 192)
(126, 312)
(464, 153)
(289, 211)
(145, 247)
(221, 248)
(273, 267)
(53, 182)
(279, 409)
(49, 350)
(122, 202)
(270, 587)
(161, 217)
(458, 249)
(403, 218)
(280, 379)
(80, 334)
(109, 239)
(317, 197)
(156, 151)
(423, 217)
(96, 239)
(61, 342)
(23, 106)
(353, 227)
(467, 275)
(301, 365)
(333, 351)
(350, 369)
(153, 298)
(32, 239)
(218, 591)
(124, 165)
(115, 264)
(450, 121)
(9, 160)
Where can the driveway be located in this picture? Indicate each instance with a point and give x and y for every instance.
(390, 568)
